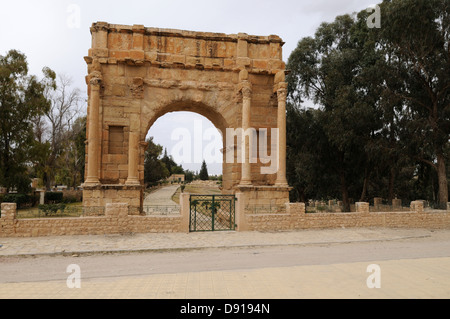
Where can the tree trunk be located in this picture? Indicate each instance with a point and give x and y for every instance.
(364, 190)
(391, 194)
(344, 191)
(442, 180)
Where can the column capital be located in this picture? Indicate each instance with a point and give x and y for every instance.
(245, 87)
(282, 95)
(95, 79)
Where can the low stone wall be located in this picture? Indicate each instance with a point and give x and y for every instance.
(296, 218)
(118, 221)
(115, 221)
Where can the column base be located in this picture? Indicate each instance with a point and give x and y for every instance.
(91, 181)
(282, 184)
(133, 182)
(245, 183)
(96, 197)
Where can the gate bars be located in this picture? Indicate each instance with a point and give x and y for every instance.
(212, 213)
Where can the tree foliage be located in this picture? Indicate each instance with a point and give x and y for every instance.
(155, 169)
(203, 174)
(22, 98)
(383, 106)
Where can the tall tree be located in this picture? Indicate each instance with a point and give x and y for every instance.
(70, 163)
(203, 175)
(309, 156)
(55, 130)
(171, 165)
(154, 168)
(332, 69)
(416, 37)
(22, 99)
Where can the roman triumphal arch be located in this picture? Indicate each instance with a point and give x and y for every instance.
(137, 74)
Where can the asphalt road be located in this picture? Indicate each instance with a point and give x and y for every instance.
(45, 269)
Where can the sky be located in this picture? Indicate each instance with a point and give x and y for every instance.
(55, 33)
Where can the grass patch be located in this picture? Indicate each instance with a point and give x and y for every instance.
(71, 210)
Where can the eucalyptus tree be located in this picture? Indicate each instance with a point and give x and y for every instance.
(22, 99)
(335, 70)
(415, 38)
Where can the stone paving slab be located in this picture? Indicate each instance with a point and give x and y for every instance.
(182, 241)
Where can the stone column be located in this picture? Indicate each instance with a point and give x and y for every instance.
(240, 217)
(281, 175)
(94, 125)
(185, 212)
(246, 178)
(42, 197)
(133, 159)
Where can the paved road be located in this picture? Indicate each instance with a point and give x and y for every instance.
(162, 197)
(286, 265)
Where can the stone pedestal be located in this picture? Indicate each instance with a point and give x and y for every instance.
(377, 201)
(264, 195)
(362, 207)
(396, 203)
(417, 206)
(8, 211)
(97, 197)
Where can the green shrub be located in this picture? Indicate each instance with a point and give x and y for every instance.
(52, 209)
(53, 197)
(34, 200)
(69, 199)
(20, 199)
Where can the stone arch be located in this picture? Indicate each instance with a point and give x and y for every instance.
(216, 118)
(137, 74)
(190, 106)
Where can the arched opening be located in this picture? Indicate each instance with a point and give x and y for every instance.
(189, 139)
(181, 141)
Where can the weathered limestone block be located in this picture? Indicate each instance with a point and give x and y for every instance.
(116, 210)
(396, 203)
(417, 206)
(377, 201)
(9, 211)
(296, 208)
(362, 207)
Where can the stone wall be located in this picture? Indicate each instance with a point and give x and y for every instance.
(118, 221)
(296, 218)
(115, 221)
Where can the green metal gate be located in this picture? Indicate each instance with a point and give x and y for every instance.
(212, 213)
